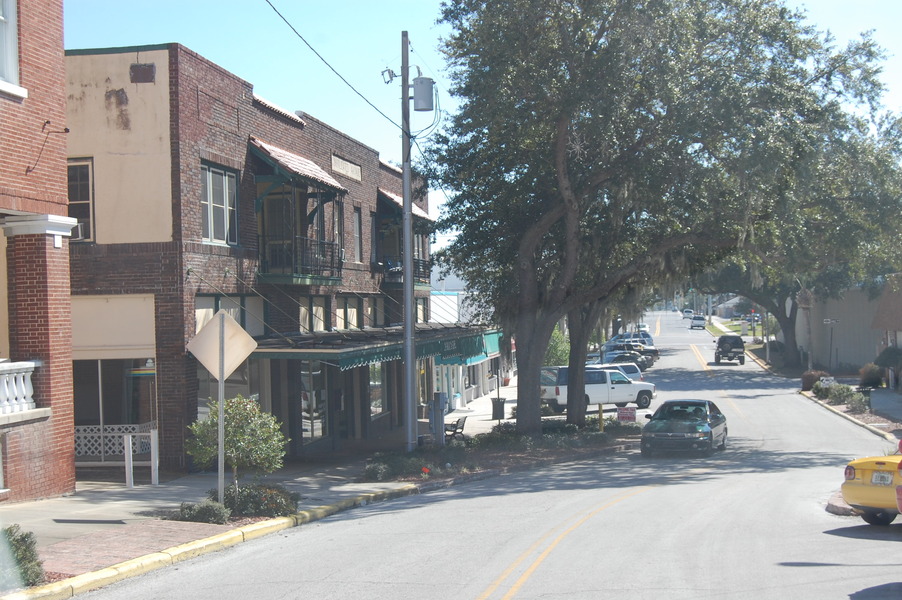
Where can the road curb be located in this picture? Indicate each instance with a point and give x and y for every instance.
(887, 436)
(67, 588)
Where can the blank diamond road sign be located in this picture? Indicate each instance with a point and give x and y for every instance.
(238, 345)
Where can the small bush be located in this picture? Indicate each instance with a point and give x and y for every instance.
(839, 393)
(857, 403)
(809, 378)
(259, 500)
(870, 376)
(25, 567)
(208, 511)
(820, 391)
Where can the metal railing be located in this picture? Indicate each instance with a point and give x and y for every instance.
(16, 389)
(300, 256)
(393, 267)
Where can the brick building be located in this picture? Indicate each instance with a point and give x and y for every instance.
(36, 409)
(195, 195)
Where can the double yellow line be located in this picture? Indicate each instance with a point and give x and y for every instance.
(515, 587)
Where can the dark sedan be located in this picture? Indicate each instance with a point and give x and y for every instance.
(685, 425)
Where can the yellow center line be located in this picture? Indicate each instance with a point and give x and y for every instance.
(658, 327)
(541, 558)
(701, 359)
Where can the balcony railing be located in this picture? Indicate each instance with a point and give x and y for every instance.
(393, 267)
(15, 387)
(300, 256)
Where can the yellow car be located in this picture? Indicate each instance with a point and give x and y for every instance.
(870, 487)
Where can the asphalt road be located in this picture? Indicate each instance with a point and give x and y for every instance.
(747, 523)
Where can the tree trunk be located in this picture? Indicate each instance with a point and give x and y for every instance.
(580, 323)
(533, 334)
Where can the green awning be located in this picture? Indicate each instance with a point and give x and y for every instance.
(358, 348)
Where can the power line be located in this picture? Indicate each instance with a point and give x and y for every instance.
(331, 68)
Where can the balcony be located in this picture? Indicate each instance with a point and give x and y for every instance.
(300, 260)
(393, 267)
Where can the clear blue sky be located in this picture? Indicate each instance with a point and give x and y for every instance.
(361, 38)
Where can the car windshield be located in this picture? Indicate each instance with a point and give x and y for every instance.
(680, 412)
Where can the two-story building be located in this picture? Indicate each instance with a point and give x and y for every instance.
(193, 195)
(36, 451)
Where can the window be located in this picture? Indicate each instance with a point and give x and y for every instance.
(9, 50)
(312, 314)
(422, 307)
(219, 205)
(347, 315)
(376, 312)
(81, 196)
(358, 232)
(377, 389)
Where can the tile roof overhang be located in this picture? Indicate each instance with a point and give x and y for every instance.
(399, 201)
(294, 165)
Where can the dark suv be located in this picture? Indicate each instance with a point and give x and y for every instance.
(730, 347)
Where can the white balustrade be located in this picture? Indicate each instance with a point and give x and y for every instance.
(16, 390)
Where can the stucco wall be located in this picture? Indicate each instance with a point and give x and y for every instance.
(124, 128)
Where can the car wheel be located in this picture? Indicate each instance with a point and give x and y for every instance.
(558, 408)
(620, 404)
(717, 359)
(645, 452)
(880, 518)
(723, 442)
(643, 400)
(741, 360)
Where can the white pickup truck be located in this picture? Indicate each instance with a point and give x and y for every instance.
(603, 386)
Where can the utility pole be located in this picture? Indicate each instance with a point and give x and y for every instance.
(410, 380)
(422, 101)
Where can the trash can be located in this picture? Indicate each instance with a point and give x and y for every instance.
(497, 409)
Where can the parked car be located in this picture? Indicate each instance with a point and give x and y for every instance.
(685, 425)
(603, 386)
(870, 487)
(687, 313)
(730, 347)
(638, 337)
(631, 370)
(697, 322)
(640, 360)
(642, 327)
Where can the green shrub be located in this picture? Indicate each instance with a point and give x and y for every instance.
(870, 376)
(820, 391)
(857, 403)
(259, 500)
(26, 568)
(208, 511)
(809, 378)
(839, 393)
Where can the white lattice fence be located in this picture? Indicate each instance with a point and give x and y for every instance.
(91, 441)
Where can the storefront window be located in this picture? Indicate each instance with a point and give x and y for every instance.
(377, 390)
(114, 391)
(314, 401)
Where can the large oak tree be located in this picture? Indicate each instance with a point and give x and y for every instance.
(600, 141)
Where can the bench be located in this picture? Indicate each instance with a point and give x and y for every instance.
(455, 429)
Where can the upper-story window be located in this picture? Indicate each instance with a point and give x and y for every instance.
(81, 197)
(9, 50)
(219, 205)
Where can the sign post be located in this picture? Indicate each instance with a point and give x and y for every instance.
(221, 346)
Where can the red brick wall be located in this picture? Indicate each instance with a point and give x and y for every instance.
(41, 72)
(38, 455)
